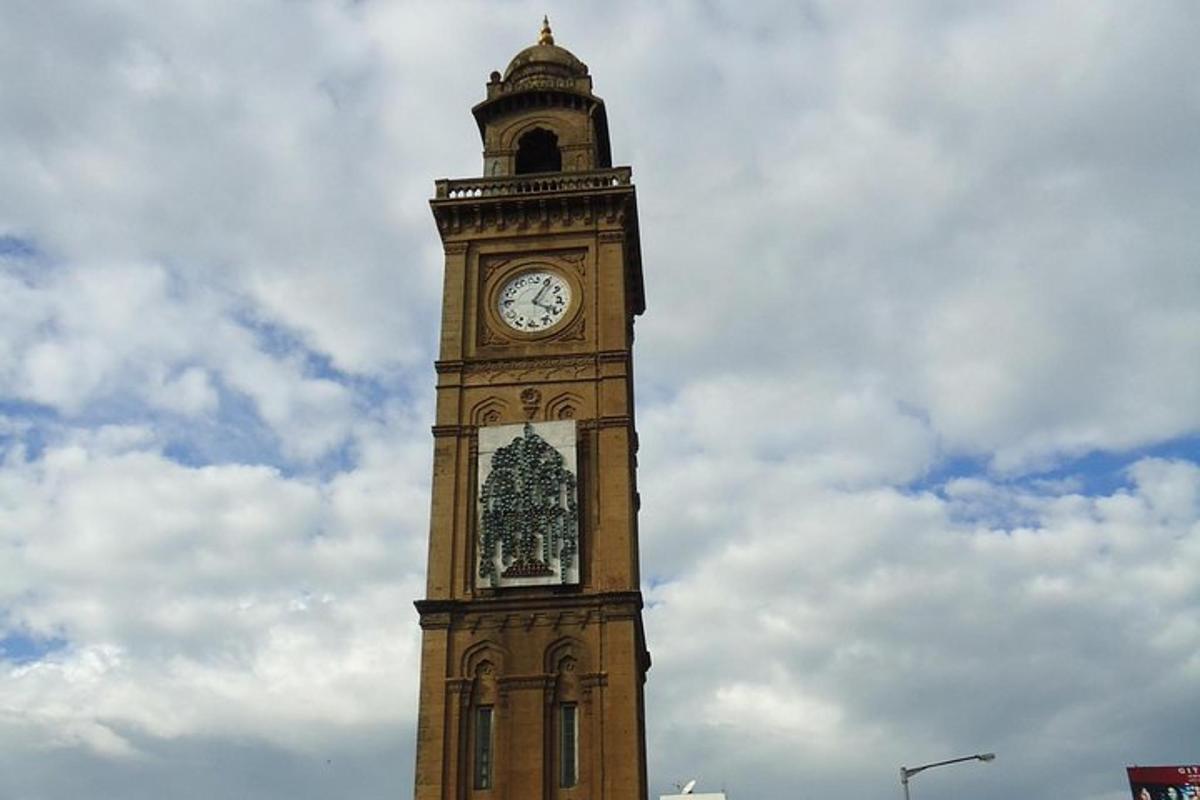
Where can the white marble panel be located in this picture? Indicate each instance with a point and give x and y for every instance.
(491, 569)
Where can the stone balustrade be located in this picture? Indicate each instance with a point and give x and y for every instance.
(535, 183)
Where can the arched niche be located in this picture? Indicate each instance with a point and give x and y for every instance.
(566, 651)
(489, 412)
(538, 151)
(567, 405)
(486, 657)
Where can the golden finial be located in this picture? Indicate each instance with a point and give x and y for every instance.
(546, 37)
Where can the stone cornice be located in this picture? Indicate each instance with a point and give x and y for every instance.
(508, 610)
(521, 213)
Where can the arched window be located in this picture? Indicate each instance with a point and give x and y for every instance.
(483, 727)
(537, 151)
(567, 724)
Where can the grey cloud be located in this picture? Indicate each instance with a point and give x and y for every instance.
(875, 239)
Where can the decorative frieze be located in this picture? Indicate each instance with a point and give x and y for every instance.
(528, 370)
(570, 363)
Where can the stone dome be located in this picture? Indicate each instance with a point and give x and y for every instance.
(545, 58)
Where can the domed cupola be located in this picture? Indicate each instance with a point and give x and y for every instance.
(544, 60)
(541, 115)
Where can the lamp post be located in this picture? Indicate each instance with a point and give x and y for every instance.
(908, 772)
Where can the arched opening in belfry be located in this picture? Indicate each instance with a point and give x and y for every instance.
(537, 151)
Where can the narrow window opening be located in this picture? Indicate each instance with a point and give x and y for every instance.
(537, 151)
(568, 750)
(483, 747)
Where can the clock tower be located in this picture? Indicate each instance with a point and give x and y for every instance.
(533, 654)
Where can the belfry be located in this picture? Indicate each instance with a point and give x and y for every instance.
(533, 654)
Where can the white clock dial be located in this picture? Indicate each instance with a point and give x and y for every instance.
(534, 301)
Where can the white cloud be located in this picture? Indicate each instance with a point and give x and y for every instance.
(873, 618)
(939, 215)
(137, 333)
(213, 601)
(190, 393)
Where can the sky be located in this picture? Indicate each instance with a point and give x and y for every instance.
(918, 387)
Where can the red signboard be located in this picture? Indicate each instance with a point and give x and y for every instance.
(1165, 783)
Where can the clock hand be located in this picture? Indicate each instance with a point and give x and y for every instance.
(537, 298)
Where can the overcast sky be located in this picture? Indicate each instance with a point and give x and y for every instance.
(918, 387)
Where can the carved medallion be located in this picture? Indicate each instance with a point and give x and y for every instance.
(531, 400)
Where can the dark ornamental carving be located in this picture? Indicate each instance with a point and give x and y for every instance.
(577, 260)
(528, 513)
(492, 265)
(575, 332)
(488, 336)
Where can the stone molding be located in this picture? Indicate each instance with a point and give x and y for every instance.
(614, 421)
(502, 609)
(593, 679)
(511, 683)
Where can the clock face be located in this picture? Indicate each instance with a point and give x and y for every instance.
(534, 301)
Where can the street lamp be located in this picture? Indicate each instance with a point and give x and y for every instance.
(908, 772)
